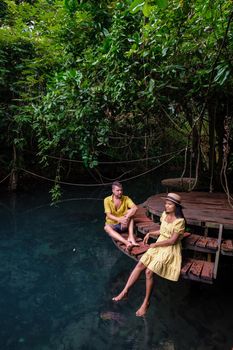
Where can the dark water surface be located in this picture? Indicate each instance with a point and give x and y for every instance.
(59, 272)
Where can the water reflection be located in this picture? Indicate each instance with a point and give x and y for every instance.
(58, 274)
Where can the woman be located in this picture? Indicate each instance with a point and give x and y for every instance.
(164, 256)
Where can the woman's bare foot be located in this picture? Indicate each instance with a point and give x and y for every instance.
(121, 296)
(143, 309)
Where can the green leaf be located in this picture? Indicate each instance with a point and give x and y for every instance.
(162, 3)
(147, 9)
(222, 74)
(136, 6)
(151, 85)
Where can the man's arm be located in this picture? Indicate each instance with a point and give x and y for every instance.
(123, 219)
(120, 219)
(131, 212)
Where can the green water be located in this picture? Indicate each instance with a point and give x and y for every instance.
(59, 272)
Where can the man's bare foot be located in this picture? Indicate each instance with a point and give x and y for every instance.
(129, 246)
(121, 296)
(134, 243)
(143, 309)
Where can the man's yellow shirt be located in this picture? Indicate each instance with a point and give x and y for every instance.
(109, 207)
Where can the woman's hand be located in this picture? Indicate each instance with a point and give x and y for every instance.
(147, 236)
(153, 245)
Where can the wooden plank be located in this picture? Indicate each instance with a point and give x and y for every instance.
(191, 240)
(140, 210)
(212, 243)
(144, 224)
(201, 242)
(181, 183)
(186, 264)
(207, 271)
(141, 213)
(140, 250)
(154, 229)
(196, 268)
(151, 228)
(199, 207)
(139, 220)
(144, 229)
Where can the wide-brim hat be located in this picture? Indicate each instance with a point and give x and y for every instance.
(173, 197)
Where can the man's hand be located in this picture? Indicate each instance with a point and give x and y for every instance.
(123, 220)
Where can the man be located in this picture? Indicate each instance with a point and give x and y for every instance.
(119, 210)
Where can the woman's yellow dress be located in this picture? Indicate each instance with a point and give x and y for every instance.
(166, 261)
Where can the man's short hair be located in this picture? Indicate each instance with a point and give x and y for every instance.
(117, 184)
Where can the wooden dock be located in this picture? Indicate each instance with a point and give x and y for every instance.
(209, 232)
(199, 207)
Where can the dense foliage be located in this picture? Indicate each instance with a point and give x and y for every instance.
(100, 80)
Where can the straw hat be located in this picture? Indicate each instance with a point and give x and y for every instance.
(173, 197)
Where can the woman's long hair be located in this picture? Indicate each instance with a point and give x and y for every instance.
(179, 213)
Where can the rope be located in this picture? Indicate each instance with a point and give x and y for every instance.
(116, 162)
(124, 136)
(213, 68)
(197, 163)
(101, 176)
(185, 162)
(100, 184)
(171, 120)
(5, 178)
(226, 150)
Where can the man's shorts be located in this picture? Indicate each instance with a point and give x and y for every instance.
(119, 229)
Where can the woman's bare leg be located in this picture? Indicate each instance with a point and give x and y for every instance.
(149, 286)
(135, 274)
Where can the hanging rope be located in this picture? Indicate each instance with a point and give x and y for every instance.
(125, 136)
(5, 178)
(226, 151)
(211, 76)
(100, 184)
(115, 178)
(197, 162)
(114, 162)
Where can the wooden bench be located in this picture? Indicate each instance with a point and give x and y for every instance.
(198, 270)
(144, 229)
(205, 244)
(201, 243)
(144, 224)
